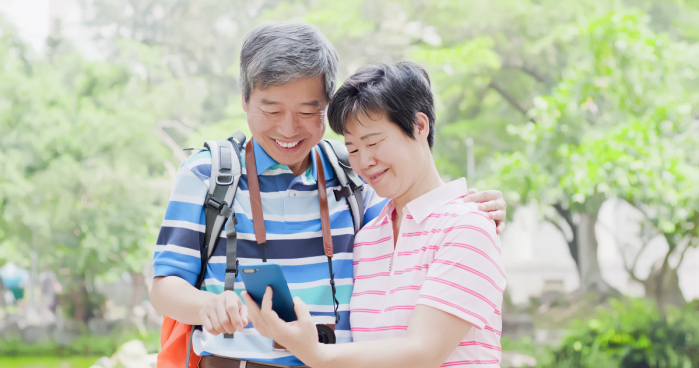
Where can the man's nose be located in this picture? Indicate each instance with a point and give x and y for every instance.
(288, 126)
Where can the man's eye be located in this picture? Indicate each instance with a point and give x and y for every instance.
(271, 112)
(308, 114)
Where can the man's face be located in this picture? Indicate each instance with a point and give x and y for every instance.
(288, 120)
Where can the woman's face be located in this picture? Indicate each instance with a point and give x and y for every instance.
(384, 156)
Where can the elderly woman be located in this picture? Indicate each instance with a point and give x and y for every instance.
(428, 270)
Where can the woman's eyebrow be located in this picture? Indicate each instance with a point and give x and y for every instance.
(369, 135)
(363, 137)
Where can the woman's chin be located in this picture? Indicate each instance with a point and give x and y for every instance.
(382, 191)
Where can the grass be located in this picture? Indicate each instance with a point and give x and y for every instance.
(47, 362)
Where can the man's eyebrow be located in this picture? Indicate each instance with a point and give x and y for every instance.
(265, 101)
(314, 103)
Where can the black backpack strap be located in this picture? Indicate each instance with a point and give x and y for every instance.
(226, 169)
(351, 185)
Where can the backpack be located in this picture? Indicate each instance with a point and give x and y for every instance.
(226, 169)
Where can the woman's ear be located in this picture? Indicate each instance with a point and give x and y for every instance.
(245, 104)
(422, 126)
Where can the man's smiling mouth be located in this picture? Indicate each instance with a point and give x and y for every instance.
(287, 144)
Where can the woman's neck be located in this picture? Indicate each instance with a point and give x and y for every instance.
(424, 184)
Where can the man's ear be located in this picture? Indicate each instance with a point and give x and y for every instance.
(245, 104)
(422, 125)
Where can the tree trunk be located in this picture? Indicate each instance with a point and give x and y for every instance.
(138, 288)
(588, 267)
(80, 300)
(663, 285)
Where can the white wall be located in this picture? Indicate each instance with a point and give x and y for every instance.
(535, 251)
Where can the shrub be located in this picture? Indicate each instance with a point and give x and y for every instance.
(634, 334)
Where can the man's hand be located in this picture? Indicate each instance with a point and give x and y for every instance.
(492, 202)
(225, 313)
(299, 337)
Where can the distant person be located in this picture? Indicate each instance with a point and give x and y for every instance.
(428, 272)
(49, 286)
(287, 77)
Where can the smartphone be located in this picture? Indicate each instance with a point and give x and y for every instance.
(258, 276)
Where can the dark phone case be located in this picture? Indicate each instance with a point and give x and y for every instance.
(269, 274)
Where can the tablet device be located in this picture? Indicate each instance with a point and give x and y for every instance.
(258, 276)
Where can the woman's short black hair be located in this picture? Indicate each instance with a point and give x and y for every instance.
(399, 91)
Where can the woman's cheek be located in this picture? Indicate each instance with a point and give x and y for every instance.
(355, 166)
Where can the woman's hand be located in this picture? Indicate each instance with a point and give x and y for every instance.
(299, 337)
(491, 202)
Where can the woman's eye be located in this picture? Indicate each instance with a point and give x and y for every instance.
(355, 151)
(373, 144)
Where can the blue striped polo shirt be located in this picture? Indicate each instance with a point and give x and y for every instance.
(294, 240)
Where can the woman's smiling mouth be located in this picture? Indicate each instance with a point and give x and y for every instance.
(373, 179)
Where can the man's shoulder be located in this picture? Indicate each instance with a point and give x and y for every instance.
(199, 164)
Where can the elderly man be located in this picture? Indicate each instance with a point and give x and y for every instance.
(287, 76)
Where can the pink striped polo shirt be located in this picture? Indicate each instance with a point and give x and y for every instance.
(448, 257)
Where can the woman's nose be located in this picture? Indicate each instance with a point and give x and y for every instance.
(366, 159)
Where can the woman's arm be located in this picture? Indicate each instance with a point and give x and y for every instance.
(432, 336)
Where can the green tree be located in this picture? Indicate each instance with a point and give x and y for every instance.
(619, 123)
(83, 181)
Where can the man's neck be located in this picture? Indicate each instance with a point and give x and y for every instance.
(301, 167)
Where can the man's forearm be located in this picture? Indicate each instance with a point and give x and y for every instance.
(178, 299)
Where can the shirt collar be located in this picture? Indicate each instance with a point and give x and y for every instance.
(327, 169)
(263, 161)
(386, 211)
(420, 208)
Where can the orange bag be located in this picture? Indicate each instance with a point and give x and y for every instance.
(174, 339)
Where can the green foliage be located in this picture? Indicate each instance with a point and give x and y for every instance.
(48, 362)
(618, 123)
(87, 344)
(632, 333)
(84, 180)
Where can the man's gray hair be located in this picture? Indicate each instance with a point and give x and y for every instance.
(275, 53)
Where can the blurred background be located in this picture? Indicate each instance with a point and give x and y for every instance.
(583, 113)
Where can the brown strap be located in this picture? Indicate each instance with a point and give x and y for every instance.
(324, 212)
(254, 190)
(256, 200)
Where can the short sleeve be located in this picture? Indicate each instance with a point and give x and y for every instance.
(182, 231)
(466, 277)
